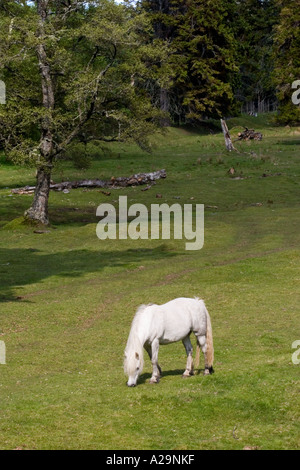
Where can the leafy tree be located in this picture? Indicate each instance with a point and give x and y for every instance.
(287, 60)
(73, 70)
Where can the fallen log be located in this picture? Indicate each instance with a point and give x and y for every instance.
(249, 134)
(119, 182)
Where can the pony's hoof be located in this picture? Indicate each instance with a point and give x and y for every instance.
(189, 374)
(154, 381)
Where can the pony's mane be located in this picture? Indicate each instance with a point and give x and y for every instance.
(134, 345)
(138, 315)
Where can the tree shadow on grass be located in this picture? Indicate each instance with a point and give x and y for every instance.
(19, 267)
(290, 142)
(12, 208)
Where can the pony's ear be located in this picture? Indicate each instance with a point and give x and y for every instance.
(137, 356)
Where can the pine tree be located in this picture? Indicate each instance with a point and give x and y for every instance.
(202, 55)
(287, 60)
(253, 27)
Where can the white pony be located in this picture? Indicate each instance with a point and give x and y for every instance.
(163, 324)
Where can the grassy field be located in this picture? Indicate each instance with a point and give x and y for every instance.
(67, 300)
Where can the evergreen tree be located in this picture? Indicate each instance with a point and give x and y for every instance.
(202, 54)
(253, 26)
(287, 60)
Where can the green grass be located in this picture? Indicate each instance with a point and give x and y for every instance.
(67, 301)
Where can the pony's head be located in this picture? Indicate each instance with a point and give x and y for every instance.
(134, 358)
(133, 366)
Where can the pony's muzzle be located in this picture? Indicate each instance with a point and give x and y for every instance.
(130, 385)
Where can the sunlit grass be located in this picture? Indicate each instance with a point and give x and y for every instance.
(67, 301)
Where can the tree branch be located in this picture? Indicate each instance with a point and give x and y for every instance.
(89, 113)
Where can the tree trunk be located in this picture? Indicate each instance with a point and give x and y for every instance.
(161, 32)
(227, 137)
(39, 208)
(164, 106)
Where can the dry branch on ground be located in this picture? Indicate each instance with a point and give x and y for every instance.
(118, 182)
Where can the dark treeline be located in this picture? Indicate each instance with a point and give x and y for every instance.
(227, 56)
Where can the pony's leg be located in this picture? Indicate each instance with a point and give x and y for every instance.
(156, 372)
(148, 348)
(189, 351)
(202, 342)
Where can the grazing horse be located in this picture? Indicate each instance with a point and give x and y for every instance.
(163, 324)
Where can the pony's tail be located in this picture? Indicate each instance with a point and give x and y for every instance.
(209, 342)
(209, 346)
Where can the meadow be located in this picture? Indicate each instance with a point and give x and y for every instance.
(67, 300)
